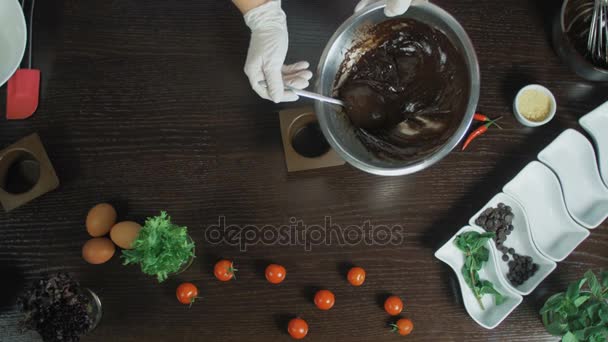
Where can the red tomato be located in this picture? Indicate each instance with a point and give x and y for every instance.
(403, 326)
(297, 328)
(324, 299)
(187, 293)
(393, 305)
(356, 276)
(275, 273)
(224, 270)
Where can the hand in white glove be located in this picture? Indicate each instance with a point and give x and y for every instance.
(266, 55)
(393, 7)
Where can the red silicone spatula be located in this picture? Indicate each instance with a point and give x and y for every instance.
(23, 89)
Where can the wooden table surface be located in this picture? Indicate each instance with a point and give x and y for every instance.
(144, 104)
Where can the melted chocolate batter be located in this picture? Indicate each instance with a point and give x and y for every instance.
(408, 93)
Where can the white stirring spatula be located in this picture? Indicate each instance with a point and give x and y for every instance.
(315, 96)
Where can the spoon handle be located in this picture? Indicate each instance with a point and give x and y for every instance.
(315, 96)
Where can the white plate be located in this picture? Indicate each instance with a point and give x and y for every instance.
(493, 314)
(596, 124)
(554, 232)
(572, 158)
(13, 35)
(520, 239)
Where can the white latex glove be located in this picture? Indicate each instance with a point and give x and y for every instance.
(266, 55)
(393, 7)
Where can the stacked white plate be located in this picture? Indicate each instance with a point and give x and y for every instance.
(553, 202)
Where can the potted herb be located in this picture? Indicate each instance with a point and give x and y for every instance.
(580, 313)
(161, 248)
(59, 309)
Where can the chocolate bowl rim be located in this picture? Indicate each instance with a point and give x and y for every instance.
(403, 167)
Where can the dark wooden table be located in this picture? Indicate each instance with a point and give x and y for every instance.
(144, 104)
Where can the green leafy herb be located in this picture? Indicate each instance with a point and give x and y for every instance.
(161, 247)
(472, 244)
(581, 313)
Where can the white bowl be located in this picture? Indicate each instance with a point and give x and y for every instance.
(596, 124)
(522, 119)
(13, 35)
(554, 232)
(493, 314)
(572, 158)
(520, 239)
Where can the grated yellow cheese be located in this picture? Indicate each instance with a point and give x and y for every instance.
(534, 105)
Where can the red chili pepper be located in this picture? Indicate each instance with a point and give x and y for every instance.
(480, 117)
(479, 131)
(483, 118)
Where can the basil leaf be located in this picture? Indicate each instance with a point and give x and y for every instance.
(594, 284)
(569, 337)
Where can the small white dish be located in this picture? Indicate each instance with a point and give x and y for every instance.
(527, 122)
(493, 314)
(554, 232)
(596, 124)
(520, 239)
(572, 158)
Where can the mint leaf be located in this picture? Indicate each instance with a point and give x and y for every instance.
(580, 300)
(603, 315)
(575, 288)
(593, 283)
(488, 288)
(604, 277)
(557, 328)
(472, 244)
(593, 311)
(483, 254)
(569, 337)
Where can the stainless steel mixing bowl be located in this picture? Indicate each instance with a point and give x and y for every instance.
(565, 49)
(337, 128)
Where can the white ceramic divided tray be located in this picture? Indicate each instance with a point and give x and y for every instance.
(520, 239)
(554, 232)
(493, 314)
(596, 124)
(572, 158)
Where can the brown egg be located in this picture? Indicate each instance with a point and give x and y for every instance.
(98, 250)
(100, 219)
(124, 233)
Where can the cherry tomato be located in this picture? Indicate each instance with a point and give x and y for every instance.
(224, 270)
(393, 305)
(297, 328)
(187, 293)
(356, 276)
(403, 326)
(275, 273)
(324, 299)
